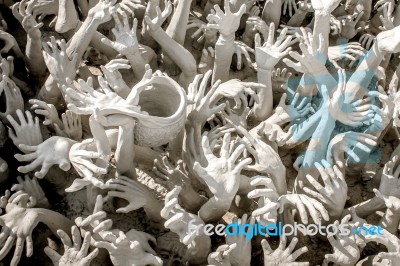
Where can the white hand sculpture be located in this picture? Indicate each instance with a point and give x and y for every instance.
(171, 176)
(238, 91)
(242, 49)
(72, 126)
(303, 203)
(20, 198)
(270, 53)
(53, 151)
(390, 185)
(267, 160)
(283, 255)
(130, 190)
(202, 108)
(49, 112)
(14, 100)
(43, 8)
(10, 43)
(206, 60)
(124, 252)
(221, 257)
(388, 4)
(222, 173)
(279, 79)
(311, 61)
(334, 194)
(125, 36)
(201, 28)
(27, 132)
(85, 103)
(254, 24)
(345, 142)
(274, 133)
(81, 155)
(33, 189)
(235, 117)
(348, 25)
(96, 223)
(57, 61)
(226, 23)
(22, 11)
(143, 238)
(114, 77)
(267, 210)
(216, 134)
(155, 23)
(75, 251)
(336, 25)
(345, 250)
(386, 18)
(351, 114)
(103, 10)
(178, 220)
(17, 225)
(288, 7)
(350, 51)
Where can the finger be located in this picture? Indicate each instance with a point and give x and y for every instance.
(29, 246)
(91, 256)
(85, 244)
(19, 246)
(105, 245)
(266, 247)
(7, 247)
(261, 193)
(76, 237)
(53, 255)
(64, 239)
(43, 171)
(94, 217)
(104, 225)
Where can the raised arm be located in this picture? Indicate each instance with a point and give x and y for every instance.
(182, 57)
(227, 24)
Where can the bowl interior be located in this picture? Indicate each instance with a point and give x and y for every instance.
(160, 100)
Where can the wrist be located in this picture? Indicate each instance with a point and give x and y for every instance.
(224, 201)
(322, 13)
(35, 36)
(154, 31)
(132, 53)
(378, 51)
(92, 19)
(300, 12)
(264, 70)
(223, 39)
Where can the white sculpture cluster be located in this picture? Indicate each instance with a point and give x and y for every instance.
(173, 115)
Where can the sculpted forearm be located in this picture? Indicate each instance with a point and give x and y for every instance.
(224, 50)
(263, 109)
